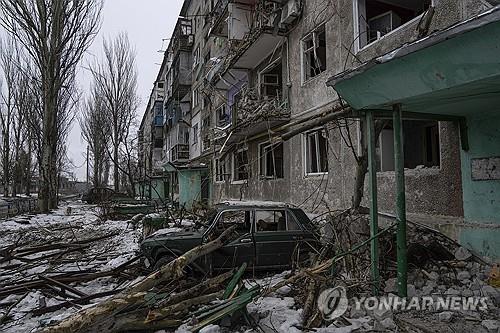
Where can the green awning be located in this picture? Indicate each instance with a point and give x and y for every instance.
(451, 72)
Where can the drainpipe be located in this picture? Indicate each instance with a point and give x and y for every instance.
(400, 201)
(372, 181)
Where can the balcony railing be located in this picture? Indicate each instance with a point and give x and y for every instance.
(251, 108)
(259, 39)
(180, 152)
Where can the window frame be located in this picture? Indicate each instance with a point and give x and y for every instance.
(195, 97)
(262, 172)
(218, 216)
(305, 148)
(221, 177)
(234, 164)
(356, 30)
(195, 134)
(286, 213)
(217, 114)
(304, 76)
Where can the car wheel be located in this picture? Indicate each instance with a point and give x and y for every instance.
(163, 261)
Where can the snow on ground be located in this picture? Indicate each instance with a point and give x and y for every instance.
(57, 227)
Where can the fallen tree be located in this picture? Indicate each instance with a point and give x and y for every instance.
(101, 318)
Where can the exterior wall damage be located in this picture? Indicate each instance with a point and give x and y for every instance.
(252, 70)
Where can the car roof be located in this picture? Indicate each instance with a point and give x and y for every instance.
(252, 204)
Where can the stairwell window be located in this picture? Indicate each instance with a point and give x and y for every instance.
(315, 152)
(240, 165)
(314, 53)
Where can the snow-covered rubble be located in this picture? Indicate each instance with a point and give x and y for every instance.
(57, 227)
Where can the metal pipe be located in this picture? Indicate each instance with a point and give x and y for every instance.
(372, 180)
(400, 200)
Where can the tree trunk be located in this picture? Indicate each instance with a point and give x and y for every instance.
(101, 318)
(6, 151)
(116, 171)
(28, 169)
(96, 170)
(49, 143)
(362, 167)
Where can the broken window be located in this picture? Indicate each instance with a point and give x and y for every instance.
(220, 169)
(420, 145)
(316, 152)
(314, 53)
(240, 164)
(377, 18)
(223, 116)
(271, 160)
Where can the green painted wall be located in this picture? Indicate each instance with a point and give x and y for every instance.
(157, 188)
(190, 187)
(482, 197)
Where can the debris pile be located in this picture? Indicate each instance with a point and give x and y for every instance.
(79, 273)
(54, 264)
(438, 268)
(252, 108)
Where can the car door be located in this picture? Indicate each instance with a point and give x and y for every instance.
(242, 248)
(275, 244)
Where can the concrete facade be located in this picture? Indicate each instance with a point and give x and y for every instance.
(429, 190)
(237, 51)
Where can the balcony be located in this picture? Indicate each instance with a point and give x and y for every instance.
(180, 153)
(158, 120)
(183, 37)
(253, 114)
(253, 34)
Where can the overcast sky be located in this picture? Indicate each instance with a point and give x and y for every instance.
(147, 22)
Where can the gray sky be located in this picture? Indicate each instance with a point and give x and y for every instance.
(147, 22)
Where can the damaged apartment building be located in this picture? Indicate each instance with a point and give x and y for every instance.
(280, 100)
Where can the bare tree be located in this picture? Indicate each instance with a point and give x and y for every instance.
(55, 34)
(10, 74)
(115, 79)
(94, 126)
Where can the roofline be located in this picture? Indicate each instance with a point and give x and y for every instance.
(490, 16)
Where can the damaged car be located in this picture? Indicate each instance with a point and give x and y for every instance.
(269, 237)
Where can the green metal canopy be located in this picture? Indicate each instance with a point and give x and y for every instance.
(451, 72)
